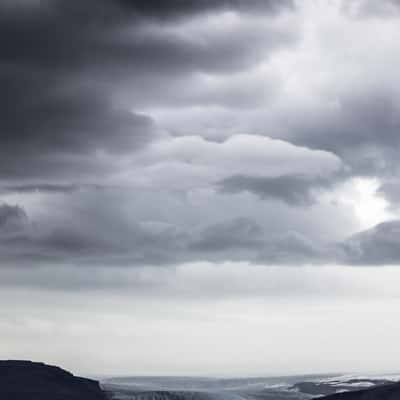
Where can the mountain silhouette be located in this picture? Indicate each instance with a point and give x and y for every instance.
(382, 392)
(27, 380)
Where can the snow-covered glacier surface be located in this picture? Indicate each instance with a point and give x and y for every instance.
(272, 388)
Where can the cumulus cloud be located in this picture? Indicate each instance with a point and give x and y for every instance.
(187, 161)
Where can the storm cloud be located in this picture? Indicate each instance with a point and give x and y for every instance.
(139, 133)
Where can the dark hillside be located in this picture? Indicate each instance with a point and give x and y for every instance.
(384, 392)
(26, 380)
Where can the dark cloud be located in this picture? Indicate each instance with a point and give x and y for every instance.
(83, 236)
(12, 219)
(293, 190)
(362, 130)
(244, 239)
(237, 234)
(84, 240)
(377, 246)
(59, 130)
(167, 9)
(49, 187)
(87, 246)
(372, 8)
(63, 66)
(63, 45)
(390, 189)
(170, 8)
(70, 122)
(293, 248)
(73, 72)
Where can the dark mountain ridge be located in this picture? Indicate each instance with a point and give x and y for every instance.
(383, 392)
(335, 386)
(27, 380)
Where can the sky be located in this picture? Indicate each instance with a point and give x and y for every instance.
(200, 187)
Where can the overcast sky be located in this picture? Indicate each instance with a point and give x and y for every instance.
(206, 187)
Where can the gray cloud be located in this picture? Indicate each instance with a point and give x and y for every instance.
(61, 132)
(293, 248)
(178, 7)
(362, 130)
(166, 9)
(376, 246)
(63, 65)
(48, 187)
(235, 234)
(74, 73)
(390, 190)
(292, 189)
(88, 240)
(371, 8)
(12, 219)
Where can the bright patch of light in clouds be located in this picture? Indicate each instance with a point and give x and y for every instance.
(370, 207)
